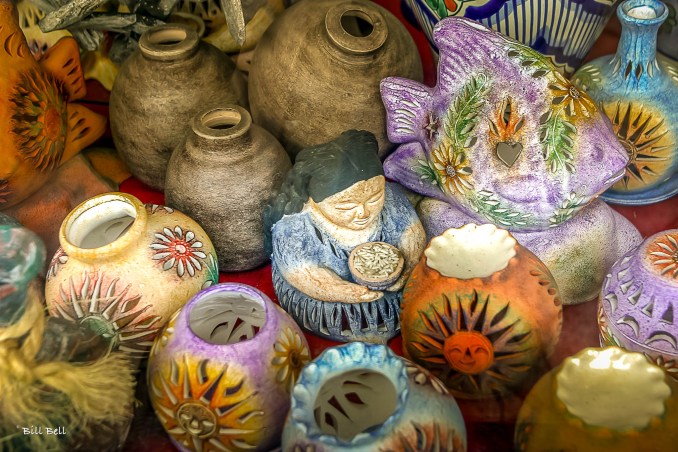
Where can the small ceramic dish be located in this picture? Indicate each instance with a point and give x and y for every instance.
(376, 265)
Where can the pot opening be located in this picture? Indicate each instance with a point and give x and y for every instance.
(167, 37)
(647, 10)
(221, 119)
(357, 23)
(224, 318)
(101, 224)
(354, 402)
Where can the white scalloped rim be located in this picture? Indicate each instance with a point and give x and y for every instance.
(612, 388)
(471, 251)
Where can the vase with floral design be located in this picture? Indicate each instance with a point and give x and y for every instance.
(638, 305)
(637, 89)
(504, 138)
(362, 397)
(221, 372)
(124, 268)
(600, 399)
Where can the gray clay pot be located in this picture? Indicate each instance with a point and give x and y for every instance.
(222, 176)
(171, 78)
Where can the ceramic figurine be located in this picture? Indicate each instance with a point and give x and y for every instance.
(223, 176)
(172, 77)
(220, 374)
(504, 138)
(481, 312)
(335, 198)
(40, 126)
(316, 71)
(600, 399)
(639, 299)
(124, 268)
(667, 40)
(55, 375)
(362, 397)
(637, 90)
(563, 30)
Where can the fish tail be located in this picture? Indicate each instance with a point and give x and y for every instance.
(407, 106)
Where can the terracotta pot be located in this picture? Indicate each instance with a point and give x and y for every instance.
(316, 71)
(123, 268)
(171, 78)
(223, 176)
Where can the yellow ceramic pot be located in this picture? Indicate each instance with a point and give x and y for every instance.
(124, 268)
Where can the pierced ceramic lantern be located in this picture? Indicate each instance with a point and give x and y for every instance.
(362, 397)
(481, 312)
(600, 399)
(124, 268)
(221, 372)
(638, 307)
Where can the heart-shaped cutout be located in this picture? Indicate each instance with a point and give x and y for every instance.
(508, 153)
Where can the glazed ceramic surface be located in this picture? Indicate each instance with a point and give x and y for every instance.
(124, 268)
(40, 127)
(362, 397)
(600, 399)
(639, 299)
(221, 372)
(504, 138)
(223, 175)
(316, 70)
(171, 78)
(637, 90)
(667, 41)
(564, 30)
(480, 312)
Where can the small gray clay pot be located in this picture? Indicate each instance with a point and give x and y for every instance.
(160, 88)
(223, 175)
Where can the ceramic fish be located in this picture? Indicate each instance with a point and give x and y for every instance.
(40, 127)
(503, 135)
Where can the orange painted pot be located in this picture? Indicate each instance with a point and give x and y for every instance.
(481, 312)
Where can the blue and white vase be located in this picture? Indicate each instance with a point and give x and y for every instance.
(362, 397)
(564, 30)
(637, 89)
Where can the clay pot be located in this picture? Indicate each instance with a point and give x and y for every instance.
(221, 372)
(222, 176)
(124, 268)
(171, 77)
(481, 312)
(316, 71)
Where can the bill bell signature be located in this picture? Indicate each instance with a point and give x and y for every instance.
(41, 430)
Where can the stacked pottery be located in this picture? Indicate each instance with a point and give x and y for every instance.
(220, 374)
(639, 301)
(124, 268)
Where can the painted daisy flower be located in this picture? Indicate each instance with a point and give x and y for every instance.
(575, 102)
(452, 169)
(291, 354)
(665, 255)
(174, 248)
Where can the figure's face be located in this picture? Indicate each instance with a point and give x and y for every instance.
(356, 207)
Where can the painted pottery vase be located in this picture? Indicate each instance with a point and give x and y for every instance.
(171, 77)
(637, 90)
(639, 298)
(667, 40)
(600, 399)
(504, 138)
(334, 200)
(223, 175)
(316, 71)
(481, 312)
(40, 127)
(221, 372)
(563, 30)
(124, 268)
(362, 397)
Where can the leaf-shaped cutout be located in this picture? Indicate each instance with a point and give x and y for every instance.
(84, 128)
(226, 318)
(63, 61)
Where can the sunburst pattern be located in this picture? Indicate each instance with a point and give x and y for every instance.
(207, 407)
(426, 438)
(291, 355)
(664, 255)
(59, 259)
(165, 334)
(574, 103)
(475, 345)
(112, 313)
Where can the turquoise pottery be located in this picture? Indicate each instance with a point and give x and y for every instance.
(564, 30)
(362, 397)
(637, 89)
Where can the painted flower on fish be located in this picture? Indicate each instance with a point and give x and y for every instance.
(452, 169)
(568, 97)
(174, 248)
(291, 355)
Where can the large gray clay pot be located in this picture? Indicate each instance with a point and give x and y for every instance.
(160, 88)
(316, 71)
(222, 176)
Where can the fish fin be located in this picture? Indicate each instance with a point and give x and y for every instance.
(407, 106)
(84, 128)
(62, 60)
(409, 166)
